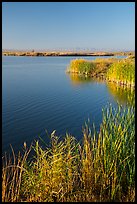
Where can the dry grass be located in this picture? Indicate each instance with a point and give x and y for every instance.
(12, 171)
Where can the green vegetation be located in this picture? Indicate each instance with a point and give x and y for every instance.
(81, 66)
(121, 71)
(90, 68)
(101, 168)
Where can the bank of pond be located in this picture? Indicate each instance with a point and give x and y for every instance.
(101, 167)
(120, 71)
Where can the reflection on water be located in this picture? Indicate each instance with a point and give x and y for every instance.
(121, 94)
(77, 79)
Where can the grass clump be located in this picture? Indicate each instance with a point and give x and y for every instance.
(101, 168)
(81, 66)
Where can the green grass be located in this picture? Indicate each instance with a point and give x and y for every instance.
(101, 168)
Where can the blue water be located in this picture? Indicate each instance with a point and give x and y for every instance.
(39, 97)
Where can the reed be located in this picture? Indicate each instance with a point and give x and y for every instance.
(81, 66)
(122, 72)
(100, 168)
(12, 172)
(90, 67)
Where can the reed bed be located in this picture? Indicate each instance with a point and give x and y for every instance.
(122, 72)
(90, 67)
(81, 66)
(100, 168)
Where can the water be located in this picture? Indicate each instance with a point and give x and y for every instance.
(39, 97)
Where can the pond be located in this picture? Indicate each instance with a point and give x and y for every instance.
(38, 97)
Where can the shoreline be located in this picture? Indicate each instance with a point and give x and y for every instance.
(71, 54)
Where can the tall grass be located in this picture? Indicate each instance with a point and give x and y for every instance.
(81, 66)
(122, 72)
(12, 171)
(101, 168)
(90, 67)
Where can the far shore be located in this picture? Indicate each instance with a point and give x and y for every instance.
(68, 53)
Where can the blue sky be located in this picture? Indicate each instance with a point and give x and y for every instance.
(68, 25)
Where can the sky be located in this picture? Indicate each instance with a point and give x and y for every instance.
(68, 25)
